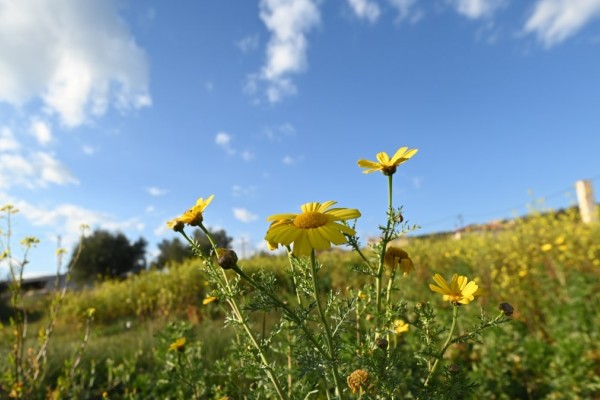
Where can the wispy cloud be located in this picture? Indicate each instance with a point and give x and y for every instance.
(247, 155)
(155, 191)
(406, 10)
(243, 215)
(248, 43)
(289, 22)
(35, 169)
(66, 219)
(365, 9)
(277, 133)
(289, 160)
(239, 191)
(223, 140)
(88, 150)
(475, 9)
(75, 75)
(553, 21)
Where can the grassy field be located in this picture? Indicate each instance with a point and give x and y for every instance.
(547, 266)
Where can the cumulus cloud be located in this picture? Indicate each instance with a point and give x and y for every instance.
(289, 21)
(553, 21)
(475, 9)
(66, 219)
(243, 215)
(41, 131)
(78, 57)
(36, 169)
(365, 9)
(223, 140)
(8, 141)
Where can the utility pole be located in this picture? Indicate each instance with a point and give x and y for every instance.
(587, 204)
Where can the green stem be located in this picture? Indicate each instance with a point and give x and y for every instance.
(447, 344)
(236, 310)
(384, 242)
(288, 311)
(291, 259)
(258, 348)
(328, 336)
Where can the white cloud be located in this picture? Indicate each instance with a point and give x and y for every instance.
(365, 9)
(37, 169)
(154, 191)
(8, 141)
(289, 160)
(289, 22)
(223, 140)
(243, 215)
(248, 43)
(66, 219)
(406, 10)
(77, 57)
(277, 133)
(88, 150)
(556, 20)
(247, 155)
(238, 191)
(41, 131)
(475, 9)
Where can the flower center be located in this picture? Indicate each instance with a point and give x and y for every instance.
(388, 170)
(311, 219)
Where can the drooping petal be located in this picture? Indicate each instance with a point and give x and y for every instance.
(301, 245)
(316, 239)
(332, 234)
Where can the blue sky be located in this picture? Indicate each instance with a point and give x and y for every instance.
(120, 114)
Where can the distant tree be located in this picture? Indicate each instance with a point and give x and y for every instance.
(171, 252)
(108, 255)
(175, 251)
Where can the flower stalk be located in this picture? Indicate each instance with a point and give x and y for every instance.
(447, 344)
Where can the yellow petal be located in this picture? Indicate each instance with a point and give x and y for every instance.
(383, 158)
(325, 206)
(398, 155)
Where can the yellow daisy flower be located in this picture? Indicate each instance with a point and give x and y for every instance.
(193, 216)
(395, 256)
(178, 345)
(460, 290)
(400, 326)
(316, 228)
(386, 164)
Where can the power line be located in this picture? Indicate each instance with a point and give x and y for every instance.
(505, 210)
